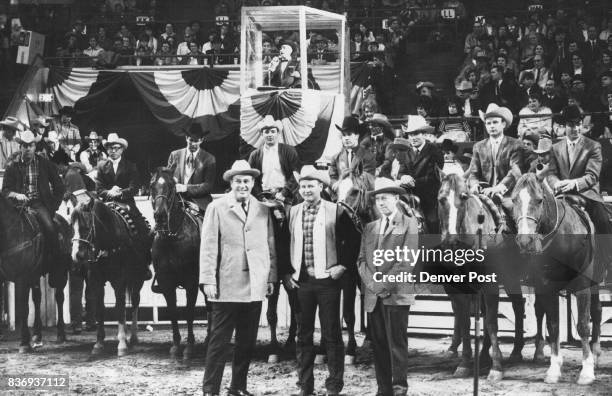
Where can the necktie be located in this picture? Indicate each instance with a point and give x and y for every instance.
(350, 157)
(190, 160)
(571, 149)
(244, 208)
(386, 226)
(537, 79)
(494, 148)
(395, 166)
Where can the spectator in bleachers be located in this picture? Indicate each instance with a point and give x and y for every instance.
(575, 99)
(228, 44)
(552, 98)
(78, 30)
(604, 64)
(591, 49)
(540, 73)
(426, 89)
(143, 53)
(603, 36)
(578, 67)
(183, 47)
(103, 40)
(94, 50)
(319, 53)
(164, 58)
(528, 50)
(565, 82)
(455, 130)
(368, 34)
(194, 57)
(541, 125)
(500, 90)
(369, 107)
(168, 32)
(561, 55)
(149, 39)
(357, 45)
(528, 86)
(470, 103)
(196, 32)
(473, 39)
(508, 70)
(124, 33)
(609, 44)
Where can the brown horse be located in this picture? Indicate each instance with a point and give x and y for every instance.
(556, 237)
(22, 261)
(104, 242)
(458, 213)
(175, 253)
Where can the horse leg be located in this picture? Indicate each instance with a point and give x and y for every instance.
(596, 330)
(551, 304)
(451, 352)
(583, 299)
(61, 326)
(272, 317)
(518, 306)
(37, 299)
(120, 288)
(22, 292)
(170, 296)
(349, 291)
(135, 297)
(491, 305)
(538, 356)
(96, 282)
(462, 321)
(192, 295)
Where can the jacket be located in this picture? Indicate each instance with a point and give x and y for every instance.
(201, 182)
(508, 166)
(126, 178)
(289, 162)
(361, 157)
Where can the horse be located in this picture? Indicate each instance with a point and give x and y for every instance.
(22, 261)
(558, 238)
(175, 253)
(103, 241)
(458, 213)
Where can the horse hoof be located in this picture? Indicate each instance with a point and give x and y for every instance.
(187, 354)
(25, 349)
(319, 359)
(349, 359)
(97, 349)
(174, 351)
(585, 379)
(122, 352)
(539, 358)
(552, 378)
(495, 376)
(273, 358)
(461, 372)
(37, 344)
(450, 354)
(61, 338)
(134, 340)
(515, 357)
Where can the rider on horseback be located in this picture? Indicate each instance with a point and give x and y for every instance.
(117, 181)
(194, 169)
(496, 160)
(33, 180)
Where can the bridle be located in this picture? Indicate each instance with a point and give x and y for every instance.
(88, 240)
(170, 202)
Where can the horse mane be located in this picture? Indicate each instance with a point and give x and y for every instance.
(529, 181)
(162, 171)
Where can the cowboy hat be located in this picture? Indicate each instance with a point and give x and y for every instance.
(400, 144)
(196, 131)
(381, 119)
(113, 138)
(27, 137)
(349, 124)
(66, 111)
(309, 172)
(383, 185)
(417, 123)
(52, 136)
(422, 84)
(495, 111)
(532, 136)
(240, 167)
(93, 135)
(322, 164)
(42, 120)
(571, 113)
(464, 85)
(449, 145)
(12, 122)
(544, 146)
(269, 122)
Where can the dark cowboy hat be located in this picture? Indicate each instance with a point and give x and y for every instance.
(350, 125)
(67, 111)
(195, 131)
(571, 113)
(449, 145)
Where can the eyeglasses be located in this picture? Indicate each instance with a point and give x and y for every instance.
(115, 148)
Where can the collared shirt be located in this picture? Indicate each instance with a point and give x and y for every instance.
(383, 221)
(272, 174)
(571, 149)
(69, 136)
(420, 148)
(308, 220)
(115, 164)
(189, 165)
(30, 177)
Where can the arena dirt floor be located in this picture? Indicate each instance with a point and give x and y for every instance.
(148, 369)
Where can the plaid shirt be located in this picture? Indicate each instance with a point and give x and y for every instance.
(308, 219)
(30, 177)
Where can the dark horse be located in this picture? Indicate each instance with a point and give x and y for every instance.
(104, 242)
(175, 253)
(22, 260)
(458, 213)
(556, 236)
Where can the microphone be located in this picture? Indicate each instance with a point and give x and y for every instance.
(539, 167)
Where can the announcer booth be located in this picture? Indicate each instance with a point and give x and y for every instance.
(312, 98)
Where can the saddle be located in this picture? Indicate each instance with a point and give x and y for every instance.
(411, 207)
(126, 214)
(573, 199)
(497, 211)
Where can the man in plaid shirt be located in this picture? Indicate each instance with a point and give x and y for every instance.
(323, 246)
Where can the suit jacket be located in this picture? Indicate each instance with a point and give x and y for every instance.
(506, 94)
(237, 251)
(340, 164)
(403, 231)
(585, 170)
(544, 76)
(284, 79)
(592, 53)
(556, 103)
(508, 166)
(289, 162)
(50, 186)
(202, 179)
(377, 147)
(605, 178)
(126, 178)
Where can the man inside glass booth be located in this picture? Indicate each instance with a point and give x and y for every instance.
(284, 70)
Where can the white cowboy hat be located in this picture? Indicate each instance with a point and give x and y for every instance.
(309, 172)
(113, 138)
(544, 146)
(269, 122)
(93, 135)
(52, 136)
(495, 111)
(383, 185)
(27, 137)
(12, 122)
(41, 120)
(240, 167)
(464, 85)
(417, 123)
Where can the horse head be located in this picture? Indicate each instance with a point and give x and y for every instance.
(83, 227)
(352, 188)
(163, 196)
(453, 206)
(530, 199)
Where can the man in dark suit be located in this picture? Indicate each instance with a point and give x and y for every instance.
(33, 180)
(117, 180)
(592, 47)
(194, 169)
(277, 163)
(387, 303)
(352, 155)
(284, 71)
(575, 168)
(497, 160)
(500, 90)
(379, 137)
(552, 98)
